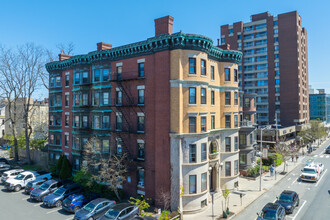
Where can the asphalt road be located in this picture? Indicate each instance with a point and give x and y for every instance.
(314, 197)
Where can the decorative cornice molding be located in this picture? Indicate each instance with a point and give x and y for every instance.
(155, 44)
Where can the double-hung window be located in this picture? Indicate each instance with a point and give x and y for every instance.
(192, 124)
(212, 98)
(235, 75)
(105, 98)
(96, 122)
(77, 78)
(203, 152)
(227, 98)
(96, 100)
(203, 67)
(67, 78)
(192, 184)
(212, 72)
(85, 77)
(203, 182)
(85, 99)
(85, 121)
(119, 72)
(227, 121)
(58, 81)
(228, 144)
(203, 95)
(228, 168)
(212, 121)
(119, 97)
(76, 121)
(141, 96)
(235, 98)
(203, 124)
(97, 75)
(141, 69)
(192, 95)
(141, 151)
(105, 75)
(227, 74)
(119, 121)
(106, 122)
(192, 65)
(140, 123)
(192, 153)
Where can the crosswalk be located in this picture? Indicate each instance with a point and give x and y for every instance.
(322, 156)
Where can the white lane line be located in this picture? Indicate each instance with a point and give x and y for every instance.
(299, 209)
(321, 177)
(299, 183)
(315, 155)
(322, 156)
(289, 178)
(293, 182)
(69, 218)
(25, 198)
(53, 211)
(37, 204)
(327, 156)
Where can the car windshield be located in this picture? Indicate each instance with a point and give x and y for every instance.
(89, 207)
(20, 177)
(285, 198)
(111, 214)
(307, 170)
(44, 186)
(59, 191)
(67, 200)
(271, 215)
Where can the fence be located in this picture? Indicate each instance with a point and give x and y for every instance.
(37, 157)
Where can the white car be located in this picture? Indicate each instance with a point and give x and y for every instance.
(312, 172)
(22, 179)
(10, 174)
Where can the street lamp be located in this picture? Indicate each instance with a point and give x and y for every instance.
(261, 129)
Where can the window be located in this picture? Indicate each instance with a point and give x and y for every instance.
(85, 99)
(228, 144)
(192, 66)
(227, 98)
(203, 95)
(119, 72)
(119, 97)
(52, 82)
(105, 75)
(96, 100)
(251, 139)
(66, 120)
(276, 48)
(203, 124)
(140, 151)
(275, 23)
(277, 64)
(76, 99)
(51, 120)
(212, 72)
(77, 78)
(204, 182)
(141, 69)
(236, 143)
(76, 143)
(235, 121)
(192, 95)
(85, 121)
(203, 67)
(58, 140)
(58, 81)
(277, 56)
(275, 39)
(66, 142)
(235, 75)
(119, 147)
(239, 37)
(58, 120)
(228, 168)
(58, 100)
(85, 77)
(235, 167)
(66, 100)
(277, 82)
(192, 124)
(227, 74)
(203, 152)
(67, 78)
(119, 121)
(227, 117)
(192, 184)
(106, 122)
(51, 139)
(141, 96)
(212, 121)
(242, 139)
(212, 97)
(105, 98)
(275, 31)
(140, 123)
(242, 159)
(192, 153)
(141, 178)
(105, 146)
(96, 122)
(223, 40)
(96, 75)
(76, 121)
(235, 98)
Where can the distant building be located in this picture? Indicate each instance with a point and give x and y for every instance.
(274, 65)
(319, 105)
(2, 120)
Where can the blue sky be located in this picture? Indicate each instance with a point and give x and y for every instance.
(85, 23)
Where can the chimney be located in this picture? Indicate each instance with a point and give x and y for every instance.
(63, 56)
(103, 46)
(164, 25)
(225, 46)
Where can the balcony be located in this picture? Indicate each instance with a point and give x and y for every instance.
(246, 123)
(214, 155)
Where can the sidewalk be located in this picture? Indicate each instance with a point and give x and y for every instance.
(250, 189)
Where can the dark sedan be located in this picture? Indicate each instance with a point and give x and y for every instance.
(289, 200)
(123, 211)
(327, 150)
(56, 198)
(94, 209)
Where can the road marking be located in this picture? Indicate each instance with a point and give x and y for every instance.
(25, 198)
(327, 156)
(37, 204)
(69, 218)
(53, 211)
(321, 177)
(299, 210)
(322, 156)
(293, 182)
(299, 183)
(289, 178)
(315, 155)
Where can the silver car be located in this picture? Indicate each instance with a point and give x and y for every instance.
(94, 209)
(124, 211)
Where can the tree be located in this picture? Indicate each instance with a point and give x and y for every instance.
(66, 171)
(141, 203)
(59, 165)
(225, 194)
(286, 151)
(106, 170)
(314, 131)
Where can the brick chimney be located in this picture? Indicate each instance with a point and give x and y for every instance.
(63, 56)
(164, 25)
(103, 46)
(225, 46)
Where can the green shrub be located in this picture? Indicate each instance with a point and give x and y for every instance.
(65, 172)
(165, 215)
(59, 165)
(279, 159)
(265, 168)
(83, 177)
(141, 202)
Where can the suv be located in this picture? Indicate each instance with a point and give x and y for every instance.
(289, 200)
(74, 202)
(56, 198)
(272, 211)
(123, 211)
(6, 167)
(10, 174)
(327, 150)
(33, 185)
(94, 209)
(45, 189)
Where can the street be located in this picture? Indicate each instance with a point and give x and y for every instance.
(314, 197)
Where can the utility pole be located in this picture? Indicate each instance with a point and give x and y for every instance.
(276, 137)
(260, 158)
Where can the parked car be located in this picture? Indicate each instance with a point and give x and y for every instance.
(10, 174)
(6, 167)
(5, 147)
(327, 150)
(289, 200)
(20, 181)
(312, 172)
(33, 185)
(45, 189)
(272, 211)
(4, 160)
(144, 218)
(74, 202)
(56, 198)
(124, 211)
(94, 209)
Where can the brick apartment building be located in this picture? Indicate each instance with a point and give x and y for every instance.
(274, 65)
(170, 102)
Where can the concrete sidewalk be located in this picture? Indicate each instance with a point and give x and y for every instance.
(250, 190)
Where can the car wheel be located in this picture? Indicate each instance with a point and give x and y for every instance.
(91, 218)
(58, 203)
(17, 188)
(76, 208)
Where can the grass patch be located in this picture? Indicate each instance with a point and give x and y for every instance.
(33, 167)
